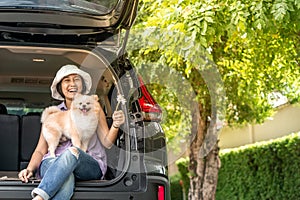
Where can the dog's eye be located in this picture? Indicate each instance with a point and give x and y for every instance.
(80, 103)
(88, 103)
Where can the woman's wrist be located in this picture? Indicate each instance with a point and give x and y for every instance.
(30, 170)
(116, 127)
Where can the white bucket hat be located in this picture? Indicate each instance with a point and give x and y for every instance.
(65, 71)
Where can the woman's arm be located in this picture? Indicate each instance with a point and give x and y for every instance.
(108, 136)
(36, 159)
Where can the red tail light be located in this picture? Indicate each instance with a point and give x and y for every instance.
(161, 192)
(150, 109)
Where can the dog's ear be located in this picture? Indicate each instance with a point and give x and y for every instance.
(95, 97)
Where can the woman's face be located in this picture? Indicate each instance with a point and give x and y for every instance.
(71, 85)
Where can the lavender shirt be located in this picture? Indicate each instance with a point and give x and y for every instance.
(95, 148)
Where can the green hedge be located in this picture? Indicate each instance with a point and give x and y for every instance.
(267, 170)
(182, 165)
(176, 188)
(183, 177)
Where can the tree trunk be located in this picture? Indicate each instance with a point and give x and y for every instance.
(203, 168)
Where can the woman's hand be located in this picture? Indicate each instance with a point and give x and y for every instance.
(118, 118)
(25, 174)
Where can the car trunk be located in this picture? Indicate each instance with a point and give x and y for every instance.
(27, 93)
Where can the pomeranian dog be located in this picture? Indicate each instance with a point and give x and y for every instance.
(78, 123)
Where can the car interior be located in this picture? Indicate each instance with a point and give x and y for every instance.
(26, 74)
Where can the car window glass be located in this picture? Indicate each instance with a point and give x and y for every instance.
(93, 7)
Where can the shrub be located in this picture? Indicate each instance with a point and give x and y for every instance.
(265, 170)
(180, 182)
(176, 189)
(182, 165)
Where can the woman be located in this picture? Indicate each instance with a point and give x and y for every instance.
(71, 163)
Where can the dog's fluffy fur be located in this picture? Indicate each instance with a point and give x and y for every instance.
(78, 123)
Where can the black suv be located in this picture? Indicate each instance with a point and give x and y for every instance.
(37, 37)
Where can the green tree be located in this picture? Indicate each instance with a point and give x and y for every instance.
(234, 54)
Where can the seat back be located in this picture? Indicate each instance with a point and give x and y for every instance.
(9, 142)
(3, 109)
(30, 132)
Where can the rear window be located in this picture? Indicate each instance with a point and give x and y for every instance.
(91, 7)
(18, 106)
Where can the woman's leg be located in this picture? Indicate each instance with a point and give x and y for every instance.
(55, 172)
(87, 168)
(58, 176)
(66, 191)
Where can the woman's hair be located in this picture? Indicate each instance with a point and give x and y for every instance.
(59, 89)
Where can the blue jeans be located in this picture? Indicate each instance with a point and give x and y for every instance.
(59, 174)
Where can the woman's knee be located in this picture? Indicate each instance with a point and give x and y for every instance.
(69, 157)
(74, 151)
(71, 152)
